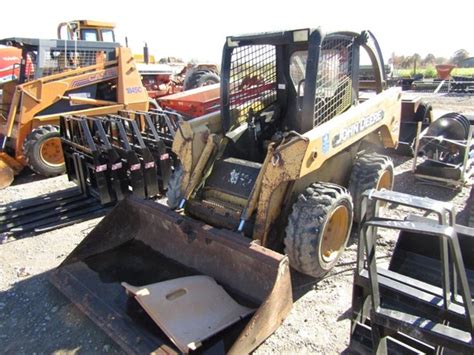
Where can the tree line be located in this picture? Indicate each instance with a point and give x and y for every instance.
(430, 60)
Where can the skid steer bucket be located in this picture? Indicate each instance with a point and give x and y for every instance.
(141, 242)
(9, 167)
(6, 175)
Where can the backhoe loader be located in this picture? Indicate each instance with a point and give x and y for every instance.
(87, 30)
(58, 77)
(281, 168)
(160, 77)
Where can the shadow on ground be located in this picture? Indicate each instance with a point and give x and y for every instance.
(27, 175)
(406, 183)
(49, 323)
(37, 318)
(399, 159)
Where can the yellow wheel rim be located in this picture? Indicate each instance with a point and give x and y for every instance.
(335, 233)
(51, 152)
(385, 181)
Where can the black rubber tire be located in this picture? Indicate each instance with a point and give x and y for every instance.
(424, 113)
(306, 225)
(469, 208)
(197, 78)
(174, 193)
(365, 175)
(208, 79)
(32, 151)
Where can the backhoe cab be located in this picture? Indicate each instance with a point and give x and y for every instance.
(87, 30)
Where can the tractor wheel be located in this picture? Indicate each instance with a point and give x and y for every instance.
(370, 171)
(208, 79)
(318, 228)
(43, 151)
(200, 78)
(174, 193)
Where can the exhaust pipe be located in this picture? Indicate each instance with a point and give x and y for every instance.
(146, 54)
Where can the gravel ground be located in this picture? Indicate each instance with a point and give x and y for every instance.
(35, 318)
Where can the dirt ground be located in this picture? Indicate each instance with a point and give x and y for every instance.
(35, 318)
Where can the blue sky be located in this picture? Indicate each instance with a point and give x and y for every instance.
(197, 29)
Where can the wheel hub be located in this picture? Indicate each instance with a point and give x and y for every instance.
(335, 233)
(51, 152)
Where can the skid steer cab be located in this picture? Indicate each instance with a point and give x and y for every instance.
(58, 77)
(281, 166)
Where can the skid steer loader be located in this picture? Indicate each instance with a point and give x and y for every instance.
(59, 77)
(268, 171)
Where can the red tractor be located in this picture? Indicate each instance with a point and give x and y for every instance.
(172, 75)
(10, 59)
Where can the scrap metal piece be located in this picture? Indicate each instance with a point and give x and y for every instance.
(189, 309)
(447, 151)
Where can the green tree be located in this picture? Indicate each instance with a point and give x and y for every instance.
(429, 60)
(459, 56)
(416, 57)
(396, 60)
(407, 62)
(441, 60)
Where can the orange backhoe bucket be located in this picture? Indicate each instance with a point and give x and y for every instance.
(9, 167)
(141, 243)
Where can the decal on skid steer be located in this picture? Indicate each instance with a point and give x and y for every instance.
(355, 128)
(106, 74)
(326, 143)
(134, 90)
(237, 177)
